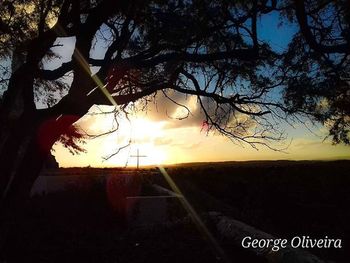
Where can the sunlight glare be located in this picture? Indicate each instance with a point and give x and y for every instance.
(141, 132)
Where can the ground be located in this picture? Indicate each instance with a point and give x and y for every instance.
(282, 198)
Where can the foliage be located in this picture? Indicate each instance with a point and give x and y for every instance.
(317, 65)
(207, 49)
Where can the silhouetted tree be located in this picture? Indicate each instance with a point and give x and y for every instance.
(203, 48)
(317, 64)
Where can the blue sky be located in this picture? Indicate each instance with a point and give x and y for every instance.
(273, 32)
(171, 141)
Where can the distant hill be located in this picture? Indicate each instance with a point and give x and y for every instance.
(258, 163)
(194, 165)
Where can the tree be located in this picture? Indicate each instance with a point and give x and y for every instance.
(318, 65)
(207, 49)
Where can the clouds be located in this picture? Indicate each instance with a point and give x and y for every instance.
(177, 142)
(168, 140)
(182, 110)
(305, 143)
(167, 108)
(160, 141)
(189, 144)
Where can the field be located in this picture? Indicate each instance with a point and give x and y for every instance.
(282, 198)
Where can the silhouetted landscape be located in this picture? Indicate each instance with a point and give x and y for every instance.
(283, 198)
(146, 84)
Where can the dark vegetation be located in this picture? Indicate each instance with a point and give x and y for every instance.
(283, 198)
(160, 50)
(156, 51)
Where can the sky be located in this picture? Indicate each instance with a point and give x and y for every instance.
(169, 141)
(163, 139)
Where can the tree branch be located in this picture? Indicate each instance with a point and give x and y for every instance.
(310, 38)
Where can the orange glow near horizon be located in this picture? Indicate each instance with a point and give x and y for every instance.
(163, 143)
(142, 134)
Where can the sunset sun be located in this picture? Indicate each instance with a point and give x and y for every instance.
(174, 131)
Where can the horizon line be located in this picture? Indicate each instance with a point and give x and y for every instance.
(213, 162)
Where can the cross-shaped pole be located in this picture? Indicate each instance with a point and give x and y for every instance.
(138, 158)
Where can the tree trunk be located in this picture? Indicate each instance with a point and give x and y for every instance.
(27, 134)
(26, 139)
(18, 121)
(22, 157)
(21, 161)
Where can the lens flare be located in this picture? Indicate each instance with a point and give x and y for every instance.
(219, 252)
